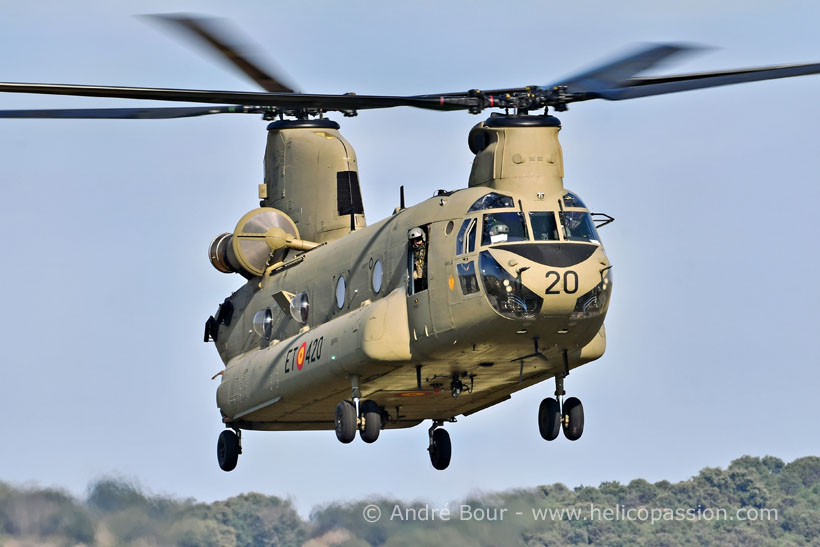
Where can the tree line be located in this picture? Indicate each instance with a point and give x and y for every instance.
(755, 501)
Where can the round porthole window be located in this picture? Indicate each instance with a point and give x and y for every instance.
(263, 323)
(377, 276)
(299, 307)
(340, 292)
(449, 228)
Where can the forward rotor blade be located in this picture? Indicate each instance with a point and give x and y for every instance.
(250, 98)
(130, 113)
(214, 33)
(616, 72)
(645, 87)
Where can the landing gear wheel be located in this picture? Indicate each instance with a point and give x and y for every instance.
(572, 419)
(549, 419)
(228, 450)
(345, 421)
(372, 417)
(440, 449)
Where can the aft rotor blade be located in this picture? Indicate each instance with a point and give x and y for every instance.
(645, 87)
(249, 98)
(214, 33)
(615, 73)
(130, 113)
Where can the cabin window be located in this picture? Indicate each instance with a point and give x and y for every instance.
(376, 277)
(340, 292)
(492, 201)
(503, 227)
(544, 227)
(299, 307)
(263, 323)
(578, 226)
(466, 278)
(465, 241)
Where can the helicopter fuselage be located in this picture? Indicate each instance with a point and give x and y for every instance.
(515, 291)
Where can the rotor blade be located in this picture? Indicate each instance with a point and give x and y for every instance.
(614, 73)
(250, 98)
(130, 113)
(645, 87)
(214, 33)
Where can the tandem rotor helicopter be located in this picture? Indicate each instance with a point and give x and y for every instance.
(443, 309)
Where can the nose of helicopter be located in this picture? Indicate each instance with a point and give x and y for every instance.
(527, 281)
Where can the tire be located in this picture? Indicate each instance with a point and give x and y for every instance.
(372, 421)
(227, 450)
(345, 422)
(549, 419)
(441, 450)
(573, 419)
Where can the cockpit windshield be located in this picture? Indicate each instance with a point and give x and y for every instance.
(544, 227)
(578, 226)
(492, 201)
(503, 227)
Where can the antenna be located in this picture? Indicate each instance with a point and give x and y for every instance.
(401, 197)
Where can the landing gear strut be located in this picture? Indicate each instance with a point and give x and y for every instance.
(553, 415)
(228, 449)
(440, 448)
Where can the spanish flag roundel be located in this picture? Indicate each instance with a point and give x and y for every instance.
(300, 357)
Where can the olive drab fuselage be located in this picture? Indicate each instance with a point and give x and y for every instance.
(517, 286)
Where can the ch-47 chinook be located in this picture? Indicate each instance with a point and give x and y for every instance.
(443, 309)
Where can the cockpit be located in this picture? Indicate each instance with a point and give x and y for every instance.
(564, 223)
(498, 221)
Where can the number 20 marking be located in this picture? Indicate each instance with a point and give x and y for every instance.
(570, 282)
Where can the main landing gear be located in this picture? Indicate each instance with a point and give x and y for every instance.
(553, 416)
(366, 417)
(228, 449)
(440, 448)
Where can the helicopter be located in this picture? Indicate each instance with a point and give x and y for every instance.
(441, 310)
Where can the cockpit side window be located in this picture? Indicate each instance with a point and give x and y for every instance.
(578, 226)
(572, 200)
(503, 227)
(465, 241)
(492, 201)
(544, 227)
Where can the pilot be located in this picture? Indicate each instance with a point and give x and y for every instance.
(416, 237)
(498, 232)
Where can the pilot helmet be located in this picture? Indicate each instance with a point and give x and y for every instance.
(416, 233)
(499, 228)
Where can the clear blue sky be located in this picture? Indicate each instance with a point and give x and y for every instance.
(106, 284)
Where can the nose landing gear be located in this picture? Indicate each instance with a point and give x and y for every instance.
(553, 415)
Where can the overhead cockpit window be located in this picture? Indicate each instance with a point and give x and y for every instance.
(571, 200)
(544, 227)
(503, 227)
(578, 226)
(492, 201)
(465, 241)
